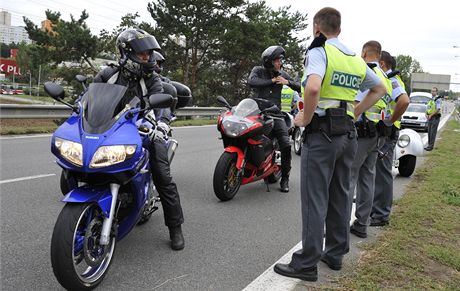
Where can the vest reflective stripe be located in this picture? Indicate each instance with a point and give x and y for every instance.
(430, 107)
(287, 95)
(383, 102)
(324, 104)
(343, 77)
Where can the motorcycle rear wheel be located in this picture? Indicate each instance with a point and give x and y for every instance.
(78, 261)
(226, 180)
(297, 138)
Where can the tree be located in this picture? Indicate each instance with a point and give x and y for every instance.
(212, 45)
(407, 65)
(66, 40)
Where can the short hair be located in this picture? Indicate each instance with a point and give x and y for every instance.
(436, 88)
(393, 63)
(329, 19)
(386, 58)
(373, 46)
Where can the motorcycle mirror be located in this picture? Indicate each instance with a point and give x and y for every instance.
(160, 100)
(55, 91)
(272, 109)
(81, 78)
(222, 100)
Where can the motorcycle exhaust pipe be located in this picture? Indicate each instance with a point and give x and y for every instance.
(172, 146)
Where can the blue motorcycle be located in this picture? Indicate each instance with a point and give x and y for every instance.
(102, 145)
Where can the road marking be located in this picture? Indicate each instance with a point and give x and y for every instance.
(269, 280)
(26, 178)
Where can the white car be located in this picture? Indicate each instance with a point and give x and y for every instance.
(420, 97)
(415, 117)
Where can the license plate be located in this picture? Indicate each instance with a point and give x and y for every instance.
(410, 121)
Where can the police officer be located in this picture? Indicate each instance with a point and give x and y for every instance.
(370, 127)
(383, 191)
(334, 76)
(268, 81)
(433, 114)
(288, 98)
(135, 71)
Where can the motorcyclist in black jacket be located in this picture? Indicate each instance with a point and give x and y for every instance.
(136, 71)
(268, 81)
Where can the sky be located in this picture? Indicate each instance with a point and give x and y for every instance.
(425, 30)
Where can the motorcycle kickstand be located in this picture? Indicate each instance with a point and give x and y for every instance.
(266, 184)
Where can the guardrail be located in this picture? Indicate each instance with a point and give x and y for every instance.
(61, 111)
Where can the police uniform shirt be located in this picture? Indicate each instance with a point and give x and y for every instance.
(361, 94)
(316, 61)
(398, 90)
(438, 104)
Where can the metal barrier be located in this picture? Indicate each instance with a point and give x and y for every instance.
(62, 111)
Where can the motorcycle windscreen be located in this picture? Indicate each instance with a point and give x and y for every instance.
(102, 104)
(247, 107)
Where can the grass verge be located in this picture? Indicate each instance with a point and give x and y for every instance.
(421, 248)
(30, 126)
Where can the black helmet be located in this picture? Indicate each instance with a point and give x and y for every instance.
(270, 54)
(159, 59)
(133, 41)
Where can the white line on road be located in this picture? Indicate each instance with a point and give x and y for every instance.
(26, 178)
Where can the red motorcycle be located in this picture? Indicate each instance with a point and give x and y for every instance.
(250, 153)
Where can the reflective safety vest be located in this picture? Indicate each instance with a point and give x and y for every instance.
(431, 107)
(389, 111)
(287, 96)
(343, 77)
(401, 83)
(375, 112)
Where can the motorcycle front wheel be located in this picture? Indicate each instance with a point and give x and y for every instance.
(226, 180)
(79, 262)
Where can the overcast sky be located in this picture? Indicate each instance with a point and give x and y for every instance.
(425, 30)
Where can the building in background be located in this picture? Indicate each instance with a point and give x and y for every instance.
(10, 34)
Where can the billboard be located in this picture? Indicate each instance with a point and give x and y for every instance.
(427, 81)
(9, 67)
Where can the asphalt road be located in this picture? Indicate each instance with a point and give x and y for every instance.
(228, 244)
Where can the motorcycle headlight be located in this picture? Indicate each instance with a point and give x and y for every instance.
(234, 129)
(403, 141)
(69, 150)
(110, 155)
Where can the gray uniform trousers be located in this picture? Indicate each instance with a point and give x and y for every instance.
(324, 185)
(363, 179)
(432, 130)
(383, 193)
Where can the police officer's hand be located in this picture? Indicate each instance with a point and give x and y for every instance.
(281, 80)
(299, 119)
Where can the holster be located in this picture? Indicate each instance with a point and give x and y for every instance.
(366, 128)
(384, 130)
(336, 122)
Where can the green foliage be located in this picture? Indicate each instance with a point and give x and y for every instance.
(212, 45)
(67, 40)
(407, 65)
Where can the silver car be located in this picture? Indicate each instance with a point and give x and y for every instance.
(415, 117)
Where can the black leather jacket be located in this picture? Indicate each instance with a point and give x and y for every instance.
(260, 80)
(153, 85)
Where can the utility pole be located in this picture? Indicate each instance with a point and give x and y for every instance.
(30, 83)
(39, 72)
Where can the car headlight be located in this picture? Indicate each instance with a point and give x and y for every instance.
(110, 155)
(403, 141)
(69, 150)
